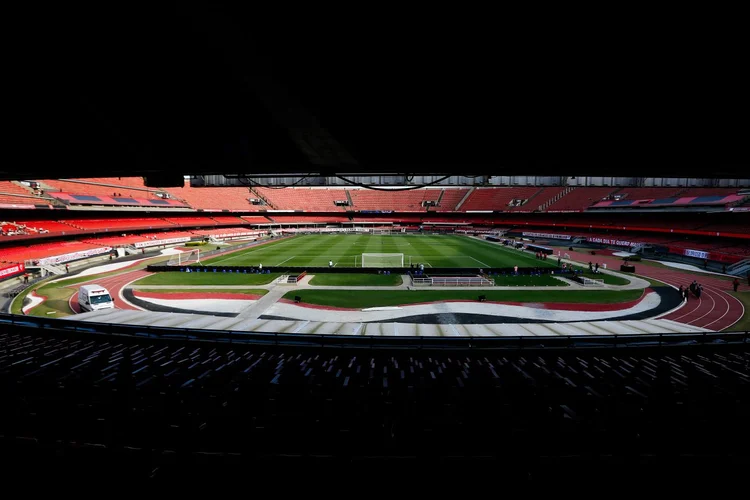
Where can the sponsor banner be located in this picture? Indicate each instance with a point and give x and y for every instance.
(739, 209)
(480, 231)
(608, 241)
(168, 241)
(11, 270)
(238, 233)
(57, 259)
(695, 253)
(20, 205)
(548, 235)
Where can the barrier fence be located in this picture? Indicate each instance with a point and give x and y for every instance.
(30, 325)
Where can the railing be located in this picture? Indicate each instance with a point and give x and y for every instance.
(30, 325)
(591, 281)
(457, 281)
(19, 289)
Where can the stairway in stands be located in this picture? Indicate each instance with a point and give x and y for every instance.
(266, 200)
(466, 197)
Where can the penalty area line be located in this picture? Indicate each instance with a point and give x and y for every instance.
(483, 263)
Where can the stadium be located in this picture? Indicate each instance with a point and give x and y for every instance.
(437, 261)
(250, 259)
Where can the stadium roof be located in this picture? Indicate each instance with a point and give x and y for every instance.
(199, 90)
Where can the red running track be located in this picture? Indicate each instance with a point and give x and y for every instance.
(115, 283)
(715, 310)
(112, 283)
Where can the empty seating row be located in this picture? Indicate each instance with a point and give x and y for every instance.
(191, 221)
(646, 193)
(450, 199)
(131, 187)
(580, 198)
(41, 250)
(399, 201)
(118, 224)
(304, 198)
(118, 393)
(486, 198)
(540, 199)
(215, 198)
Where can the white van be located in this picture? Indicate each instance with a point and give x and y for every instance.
(94, 297)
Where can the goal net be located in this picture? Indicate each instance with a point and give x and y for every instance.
(380, 231)
(382, 260)
(185, 259)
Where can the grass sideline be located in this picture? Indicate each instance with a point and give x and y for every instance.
(178, 278)
(346, 249)
(379, 298)
(744, 323)
(353, 279)
(247, 291)
(609, 279)
(56, 302)
(525, 280)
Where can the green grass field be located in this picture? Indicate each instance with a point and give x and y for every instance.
(177, 278)
(346, 251)
(379, 298)
(744, 322)
(249, 291)
(353, 279)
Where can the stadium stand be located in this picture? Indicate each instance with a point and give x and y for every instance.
(645, 193)
(255, 219)
(118, 224)
(38, 227)
(167, 234)
(129, 187)
(12, 193)
(399, 201)
(191, 221)
(540, 200)
(222, 231)
(136, 408)
(307, 199)
(227, 219)
(450, 199)
(301, 219)
(41, 250)
(579, 199)
(707, 191)
(497, 198)
(215, 198)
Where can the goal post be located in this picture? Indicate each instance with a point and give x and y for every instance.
(185, 259)
(382, 260)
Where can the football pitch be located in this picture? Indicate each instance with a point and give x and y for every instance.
(434, 251)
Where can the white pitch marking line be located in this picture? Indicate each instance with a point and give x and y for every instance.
(484, 264)
(290, 258)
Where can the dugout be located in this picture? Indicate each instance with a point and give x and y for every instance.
(539, 248)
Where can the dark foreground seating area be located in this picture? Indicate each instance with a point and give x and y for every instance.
(125, 407)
